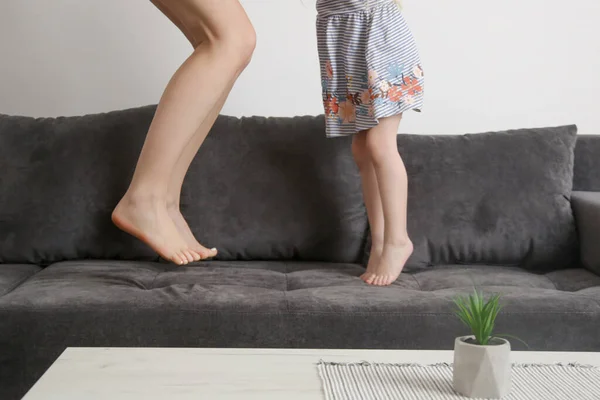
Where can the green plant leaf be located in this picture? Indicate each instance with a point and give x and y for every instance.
(478, 314)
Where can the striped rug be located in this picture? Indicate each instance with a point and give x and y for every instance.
(369, 381)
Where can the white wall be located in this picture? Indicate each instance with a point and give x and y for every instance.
(489, 64)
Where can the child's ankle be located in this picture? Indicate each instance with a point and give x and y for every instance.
(377, 245)
(399, 242)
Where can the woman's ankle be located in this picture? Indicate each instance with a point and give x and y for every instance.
(139, 198)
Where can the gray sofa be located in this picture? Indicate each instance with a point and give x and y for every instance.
(283, 204)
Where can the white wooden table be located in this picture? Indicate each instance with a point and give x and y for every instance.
(174, 374)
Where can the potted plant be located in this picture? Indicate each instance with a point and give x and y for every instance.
(482, 367)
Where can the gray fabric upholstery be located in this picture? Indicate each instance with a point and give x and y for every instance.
(587, 164)
(11, 276)
(278, 304)
(495, 198)
(284, 206)
(61, 178)
(284, 190)
(587, 211)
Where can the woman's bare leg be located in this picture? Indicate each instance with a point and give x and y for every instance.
(183, 164)
(192, 93)
(181, 168)
(392, 184)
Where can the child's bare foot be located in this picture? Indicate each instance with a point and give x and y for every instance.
(188, 236)
(374, 258)
(391, 263)
(150, 222)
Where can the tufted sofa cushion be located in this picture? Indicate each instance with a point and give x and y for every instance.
(296, 288)
(274, 304)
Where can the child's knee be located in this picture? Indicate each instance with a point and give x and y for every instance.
(378, 149)
(359, 150)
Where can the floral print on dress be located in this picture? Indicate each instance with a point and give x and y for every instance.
(398, 86)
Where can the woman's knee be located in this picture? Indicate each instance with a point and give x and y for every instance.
(237, 42)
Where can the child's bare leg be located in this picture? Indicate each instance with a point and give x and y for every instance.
(393, 189)
(192, 93)
(371, 197)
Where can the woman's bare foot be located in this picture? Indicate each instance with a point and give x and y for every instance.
(390, 265)
(150, 222)
(188, 236)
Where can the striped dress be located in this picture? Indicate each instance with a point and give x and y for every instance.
(370, 66)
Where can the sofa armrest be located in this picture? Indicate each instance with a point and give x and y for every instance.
(586, 207)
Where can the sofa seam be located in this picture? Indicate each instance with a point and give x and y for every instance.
(417, 282)
(285, 292)
(153, 280)
(19, 283)
(295, 313)
(553, 283)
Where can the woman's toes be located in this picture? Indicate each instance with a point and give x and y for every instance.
(206, 253)
(197, 256)
(176, 259)
(184, 258)
(190, 255)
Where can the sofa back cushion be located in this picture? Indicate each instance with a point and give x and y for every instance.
(259, 189)
(587, 164)
(494, 198)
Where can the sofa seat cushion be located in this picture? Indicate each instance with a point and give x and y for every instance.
(295, 287)
(431, 293)
(13, 275)
(276, 304)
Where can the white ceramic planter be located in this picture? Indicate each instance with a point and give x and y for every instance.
(482, 371)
